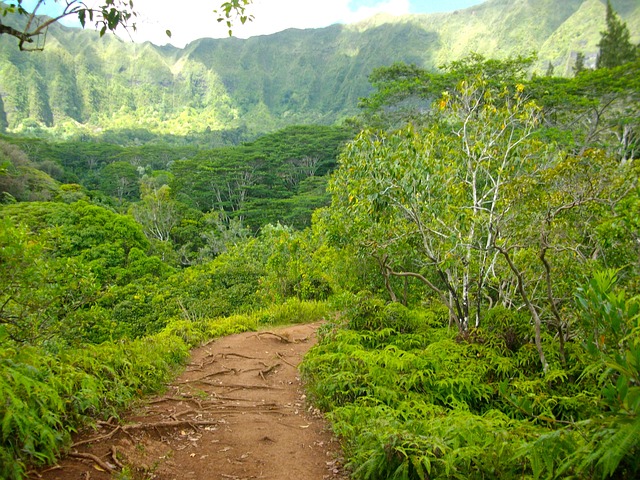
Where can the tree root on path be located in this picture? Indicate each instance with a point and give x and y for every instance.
(169, 424)
(281, 337)
(97, 439)
(281, 357)
(268, 370)
(144, 426)
(184, 398)
(237, 386)
(124, 428)
(50, 469)
(114, 457)
(261, 408)
(231, 399)
(203, 363)
(226, 371)
(98, 461)
(239, 355)
(185, 412)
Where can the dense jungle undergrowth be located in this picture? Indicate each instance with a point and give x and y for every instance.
(412, 398)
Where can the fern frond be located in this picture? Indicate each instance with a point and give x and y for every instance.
(623, 441)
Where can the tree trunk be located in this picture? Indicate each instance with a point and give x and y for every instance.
(532, 309)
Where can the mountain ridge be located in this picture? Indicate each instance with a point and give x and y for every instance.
(85, 84)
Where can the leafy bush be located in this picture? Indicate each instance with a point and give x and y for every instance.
(427, 403)
(605, 444)
(292, 311)
(417, 441)
(50, 396)
(366, 312)
(510, 326)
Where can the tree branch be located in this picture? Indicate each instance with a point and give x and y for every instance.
(532, 310)
(22, 36)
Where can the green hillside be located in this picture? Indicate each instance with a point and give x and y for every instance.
(225, 90)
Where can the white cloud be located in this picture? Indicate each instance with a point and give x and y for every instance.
(195, 19)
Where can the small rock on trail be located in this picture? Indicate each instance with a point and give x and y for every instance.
(237, 412)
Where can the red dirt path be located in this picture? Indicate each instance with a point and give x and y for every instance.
(237, 412)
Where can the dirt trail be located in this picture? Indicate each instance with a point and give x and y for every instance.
(237, 412)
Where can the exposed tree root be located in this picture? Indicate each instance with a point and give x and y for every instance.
(239, 355)
(169, 424)
(39, 474)
(183, 398)
(266, 371)
(144, 426)
(98, 461)
(114, 457)
(281, 357)
(240, 386)
(230, 399)
(97, 439)
(226, 371)
(247, 408)
(237, 386)
(204, 362)
(284, 339)
(185, 412)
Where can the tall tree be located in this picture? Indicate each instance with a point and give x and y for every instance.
(615, 47)
(579, 66)
(157, 213)
(427, 204)
(478, 208)
(120, 180)
(550, 69)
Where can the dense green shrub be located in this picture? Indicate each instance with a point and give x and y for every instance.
(366, 312)
(49, 396)
(425, 402)
(292, 311)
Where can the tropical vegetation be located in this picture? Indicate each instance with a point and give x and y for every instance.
(471, 239)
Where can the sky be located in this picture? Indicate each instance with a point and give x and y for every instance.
(192, 19)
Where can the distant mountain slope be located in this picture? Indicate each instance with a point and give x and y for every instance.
(83, 83)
